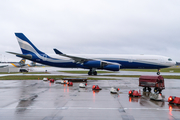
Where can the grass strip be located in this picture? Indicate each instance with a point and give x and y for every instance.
(52, 77)
(122, 76)
(137, 76)
(30, 77)
(173, 69)
(24, 73)
(84, 72)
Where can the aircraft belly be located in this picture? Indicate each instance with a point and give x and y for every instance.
(140, 65)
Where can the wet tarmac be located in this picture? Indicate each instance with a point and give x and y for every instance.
(39, 100)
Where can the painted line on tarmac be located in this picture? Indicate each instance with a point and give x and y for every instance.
(64, 108)
(150, 109)
(89, 108)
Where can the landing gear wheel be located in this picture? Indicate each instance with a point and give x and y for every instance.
(90, 72)
(158, 73)
(95, 72)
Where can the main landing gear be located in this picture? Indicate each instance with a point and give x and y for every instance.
(92, 72)
(158, 73)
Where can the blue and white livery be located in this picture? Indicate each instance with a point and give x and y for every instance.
(91, 62)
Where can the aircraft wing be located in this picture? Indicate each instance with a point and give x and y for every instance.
(75, 58)
(82, 60)
(2, 66)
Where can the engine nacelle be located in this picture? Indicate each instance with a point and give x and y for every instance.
(92, 64)
(112, 67)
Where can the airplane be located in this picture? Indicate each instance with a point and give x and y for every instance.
(33, 64)
(21, 63)
(92, 62)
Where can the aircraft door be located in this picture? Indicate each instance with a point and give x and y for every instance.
(44, 57)
(130, 59)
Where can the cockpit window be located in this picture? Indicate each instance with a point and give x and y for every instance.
(169, 59)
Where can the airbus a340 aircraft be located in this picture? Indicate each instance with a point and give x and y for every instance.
(21, 63)
(92, 62)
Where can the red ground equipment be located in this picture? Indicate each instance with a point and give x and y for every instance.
(174, 100)
(95, 87)
(155, 81)
(70, 83)
(134, 93)
(51, 80)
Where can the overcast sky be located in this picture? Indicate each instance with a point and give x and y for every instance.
(92, 26)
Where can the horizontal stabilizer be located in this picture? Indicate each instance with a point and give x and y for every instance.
(21, 55)
(177, 63)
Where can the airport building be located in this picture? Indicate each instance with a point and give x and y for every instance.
(9, 70)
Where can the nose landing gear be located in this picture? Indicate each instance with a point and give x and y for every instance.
(158, 73)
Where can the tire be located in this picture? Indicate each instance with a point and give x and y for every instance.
(90, 73)
(158, 73)
(95, 73)
(155, 90)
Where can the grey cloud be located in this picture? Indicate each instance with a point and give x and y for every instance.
(91, 26)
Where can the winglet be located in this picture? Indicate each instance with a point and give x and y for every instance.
(57, 51)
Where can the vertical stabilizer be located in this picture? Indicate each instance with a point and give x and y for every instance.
(22, 62)
(25, 44)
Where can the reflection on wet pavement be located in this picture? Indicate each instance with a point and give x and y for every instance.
(36, 99)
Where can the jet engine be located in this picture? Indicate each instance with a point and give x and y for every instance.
(92, 64)
(112, 67)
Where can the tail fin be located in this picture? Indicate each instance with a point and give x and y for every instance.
(25, 44)
(22, 62)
